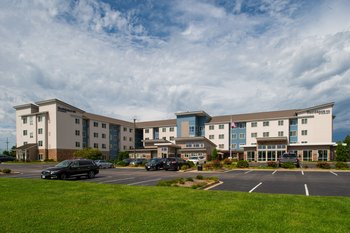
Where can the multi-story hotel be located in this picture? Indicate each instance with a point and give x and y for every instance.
(53, 129)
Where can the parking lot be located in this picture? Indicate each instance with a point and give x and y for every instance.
(301, 182)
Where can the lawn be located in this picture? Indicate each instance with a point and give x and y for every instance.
(28, 205)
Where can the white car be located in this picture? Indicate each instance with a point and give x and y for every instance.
(103, 164)
(197, 159)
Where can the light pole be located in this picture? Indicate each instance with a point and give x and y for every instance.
(135, 138)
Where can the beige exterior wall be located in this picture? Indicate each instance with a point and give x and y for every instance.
(99, 136)
(127, 137)
(273, 129)
(214, 135)
(167, 135)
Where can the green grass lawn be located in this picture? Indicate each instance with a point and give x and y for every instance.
(28, 205)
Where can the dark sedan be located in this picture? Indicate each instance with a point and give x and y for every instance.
(6, 158)
(155, 164)
(175, 163)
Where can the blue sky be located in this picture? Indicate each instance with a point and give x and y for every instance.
(150, 59)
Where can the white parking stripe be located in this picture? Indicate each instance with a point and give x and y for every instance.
(248, 171)
(110, 181)
(213, 186)
(302, 172)
(255, 187)
(145, 181)
(274, 172)
(306, 190)
(334, 173)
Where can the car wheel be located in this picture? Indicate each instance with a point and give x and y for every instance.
(91, 174)
(147, 169)
(100, 167)
(157, 168)
(63, 176)
(166, 169)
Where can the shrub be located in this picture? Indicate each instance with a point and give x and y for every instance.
(288, 165)
(0, 170)
(191, 164)
(242, 164)
(189, 179)
(184, 167)
(323, 165)
(122, 163)
(227, 161)
(272, 164)
(208, 166)
(341, 165)
(214, 178)
(166, 183)
(217, 164)
(199, 177)
(199, 185)
(6, 170)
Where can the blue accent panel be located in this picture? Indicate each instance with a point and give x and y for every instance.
(114, 140)
(155, 133)
(85, 133)
(237, 140)
(293, 126)
(196, 125)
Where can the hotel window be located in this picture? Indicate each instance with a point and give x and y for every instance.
(234, 136)
(124, 147)
(307, 155)
(322, 155)
(130, 130)
(191, 129)
(124, 138)
(95, 124)
(40, 131)
(240, 125)
(266, 134)
(95, 135)
(221, 136)
(304, 132)
(171, 129)
(266, 123)
(31, 135)
(254, 135)
(24, 120)
(293, 133)
(31, 120)
(77, 121)
(211, 136)
(221, 146)
(280, 123)
(241, 136)
(280, 133)
(77, 133)
(251, 156)
(146, 138)
(25, 132)
(221, 126)
(103, 135)
(211, 127)
(95, 145)
(103, 146)
(163, 130)
(39, 118)
(233, 146)
(104, 125)
(125, 129)
(293, 121)
(130, 139)
(146, 130)
(254, 124)
(77, 144)
(304, 121)
(172, 138)
(40, 143)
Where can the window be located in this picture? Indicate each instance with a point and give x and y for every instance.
(307, 155)
(266, 123)
(211, 136)
(77, 132)
(322, 155)
(280, 123)
(163, 130)
(104, 125)
(266, 134)
(95, 145)
(251, 156)
(164, 138)
(95, 124)
(304, 121)
(233, 146)
(40, 131)
(254, 135)
(240, 125)
(234, 136)
(221, 146)
(31, 135)
(293, 133)
(31, 120)
(77, 144)
(254, 124)
(191, 129)
(95, 135)
(146, 138)
(293, 121)
(103, 135)
(125, 129)
(40, 143)
(25, 132)
(241, 136)
(103, 146)
(172, 138)
(130, 139)
(124, 147)
(221, 136)
(280, 133)
(171, 129)
(77, 121)
(25, 143)
(262, 156)
(211, 127)
(304, 132)
(221, 126)
(130, 130)
(124, 138)
(24, 120)
(146, 130)
(39, 118)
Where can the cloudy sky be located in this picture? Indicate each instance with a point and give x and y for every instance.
(149, 59)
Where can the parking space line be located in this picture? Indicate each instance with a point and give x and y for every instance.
(248, 171)
(333, 173)
(145, 181)
(255, 187)
(306, 190)
(110, 181)
(213, 186)
(274, 172)
(302, 172)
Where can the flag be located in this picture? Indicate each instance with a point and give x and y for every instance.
(233, 125)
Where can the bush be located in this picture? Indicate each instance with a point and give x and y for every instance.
(323, 165)
(184, 167)
(6, 170)
(199, 177)
(227, 161)
(208, 166)
(341, 165)
(191, 164)
(272, 164)
(288, 165)
(122, 163)
(242, 164)
(189, 179)
(214, 178)
(217, 164)
(199, 185)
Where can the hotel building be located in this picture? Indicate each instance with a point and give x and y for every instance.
(53, 129)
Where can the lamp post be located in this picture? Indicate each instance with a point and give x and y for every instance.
(135, 138)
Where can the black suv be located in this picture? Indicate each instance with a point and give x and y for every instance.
(71, 168)
(175, 163)
(155, 164)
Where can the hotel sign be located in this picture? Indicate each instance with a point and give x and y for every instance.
(320, 112)
(60, 109)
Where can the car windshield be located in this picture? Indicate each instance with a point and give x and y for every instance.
(289, 156)
(64, 163)
(194, 157)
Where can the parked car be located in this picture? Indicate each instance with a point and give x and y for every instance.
(197, 159)
(6, 158)
(289, 157)
(71, 168)
(103, 164)
(155, 164)
(175, 163)
(127, 161)
(138, 161)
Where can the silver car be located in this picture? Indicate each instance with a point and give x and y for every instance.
(103, 164)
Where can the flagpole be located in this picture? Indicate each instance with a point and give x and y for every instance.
(230, 137)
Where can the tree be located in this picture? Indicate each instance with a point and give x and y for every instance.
(342, 153)
(122, 155)
(88, 153)
(347, 141)
(214, 154)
